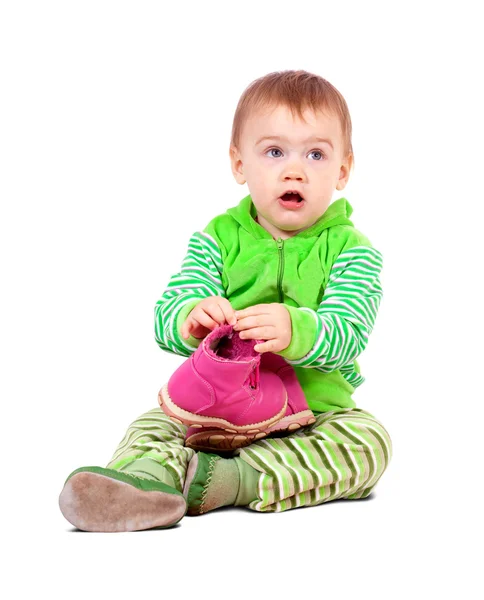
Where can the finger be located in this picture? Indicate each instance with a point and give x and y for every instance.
(257, 309)
(203, 318)
(265, 347)
(186, 328)
(228, 311)
(215, 311)
(253, 322)
(259, 333)
(245, 312)
(225, 311)
(273, 345)
(246, 323)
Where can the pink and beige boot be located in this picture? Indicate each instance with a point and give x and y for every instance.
(221, 386)
(297, 415)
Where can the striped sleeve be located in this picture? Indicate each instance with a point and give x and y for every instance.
(338, 331)
(200, 277)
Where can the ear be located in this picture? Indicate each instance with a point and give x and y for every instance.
(236, 164)
(344, 173)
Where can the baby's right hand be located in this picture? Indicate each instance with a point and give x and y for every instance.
(208, 314)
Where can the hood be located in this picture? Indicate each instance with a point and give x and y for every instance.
(337, 213)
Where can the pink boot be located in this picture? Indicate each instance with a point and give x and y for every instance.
(297, 414)
(220, 385)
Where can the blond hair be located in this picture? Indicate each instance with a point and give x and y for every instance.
(297, 90)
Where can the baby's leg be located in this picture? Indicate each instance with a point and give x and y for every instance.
(342, 455)
(153, 447)
(140, 488)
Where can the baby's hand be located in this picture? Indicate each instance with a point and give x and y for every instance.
(208, 314)
(271, 322)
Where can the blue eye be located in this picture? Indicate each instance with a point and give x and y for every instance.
(274, 150)
(320, 154)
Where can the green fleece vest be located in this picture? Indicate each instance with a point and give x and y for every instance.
(327, 276)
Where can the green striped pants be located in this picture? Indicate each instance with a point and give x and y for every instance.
(342, 455)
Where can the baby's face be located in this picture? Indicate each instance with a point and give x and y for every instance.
(279, 153)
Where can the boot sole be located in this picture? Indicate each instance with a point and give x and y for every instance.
(221, 441)
(180, 415)
(95, 502)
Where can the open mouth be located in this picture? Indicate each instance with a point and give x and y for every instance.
(294, 197)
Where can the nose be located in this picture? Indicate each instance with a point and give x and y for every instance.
(293, 172)
(289, 176)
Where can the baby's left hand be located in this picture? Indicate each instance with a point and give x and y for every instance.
(271, 322)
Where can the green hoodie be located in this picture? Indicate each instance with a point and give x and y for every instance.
(327, 276)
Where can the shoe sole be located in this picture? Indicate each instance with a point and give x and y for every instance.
(180, 415)
(95, 502)
(221, 441)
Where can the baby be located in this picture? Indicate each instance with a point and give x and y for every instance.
(285, 266)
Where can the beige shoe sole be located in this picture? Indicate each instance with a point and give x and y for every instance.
(218, 440)
(96, 502)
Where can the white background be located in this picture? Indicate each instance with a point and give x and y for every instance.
(115, 121)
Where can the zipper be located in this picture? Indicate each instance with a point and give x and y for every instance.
(254, 378)
(280, 246)
(254, 375)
